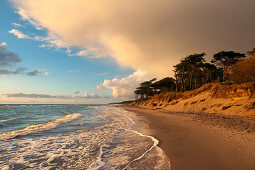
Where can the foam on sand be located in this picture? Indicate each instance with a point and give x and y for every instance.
(39, 127)
(155, 143)
(99, 162)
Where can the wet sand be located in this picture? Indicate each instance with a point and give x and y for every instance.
(193, 142)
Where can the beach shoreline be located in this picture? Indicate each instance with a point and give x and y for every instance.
(201, 141)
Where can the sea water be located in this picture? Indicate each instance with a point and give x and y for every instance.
(76, 137)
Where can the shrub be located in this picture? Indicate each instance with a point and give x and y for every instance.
(250, 106)
(244, 71)
(204, 108)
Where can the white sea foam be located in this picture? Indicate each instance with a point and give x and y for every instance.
(155, 143)
(162, 160)
(99, 162)
(74, 150)
(39, 127)
(113, 143)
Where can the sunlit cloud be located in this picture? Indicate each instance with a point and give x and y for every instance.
(146, 34)
(19, 34)
(100, 87)
(125, 87)
(17, 25)
(89, 95)
(26, 17)
(3, 44)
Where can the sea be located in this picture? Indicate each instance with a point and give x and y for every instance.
(94, 137)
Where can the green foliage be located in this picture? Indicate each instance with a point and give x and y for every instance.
(252, 52)
(145, 89)
(243, 71)
(164, 85)
(193, 72)
(225, 59)
(227, 83)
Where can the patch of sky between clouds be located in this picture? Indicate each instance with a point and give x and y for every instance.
(50, 40)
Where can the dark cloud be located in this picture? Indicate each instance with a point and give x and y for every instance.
(34, 95)
(34, 72)
(78, 92)
(4, 72)
(8, 62)
(8, 58)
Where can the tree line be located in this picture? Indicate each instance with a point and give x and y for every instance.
(193, 72)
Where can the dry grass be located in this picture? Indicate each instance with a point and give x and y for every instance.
(234, 91)
(189, 94)
(237, 91)
(204, 109)
(250, 106)
(244, 71)
(194, 102)
(182, 95)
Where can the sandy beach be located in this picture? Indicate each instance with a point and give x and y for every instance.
(202, 141)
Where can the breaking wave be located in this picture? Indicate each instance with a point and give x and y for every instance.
(39, 127)
(103, 138)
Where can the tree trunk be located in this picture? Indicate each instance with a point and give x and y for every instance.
(224, 73)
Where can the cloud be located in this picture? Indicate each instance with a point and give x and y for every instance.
(5, 72)
(102, 74)
(87, 95)
(51, 41)
(8, 58)
(125, 87)
(46, 73)
(19, 34)
(24, 16)
(3, 44)
(151, 35)
(34, 95)
(100, 87)
(17, 25)
(36, 72)
(77, 92)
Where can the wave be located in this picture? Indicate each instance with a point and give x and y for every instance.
(7, 106)
(14, 120)
(110, 160)
(39, 127)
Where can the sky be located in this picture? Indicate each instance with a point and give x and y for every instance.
(98, 51)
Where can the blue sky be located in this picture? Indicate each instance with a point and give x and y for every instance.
(67, 74)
